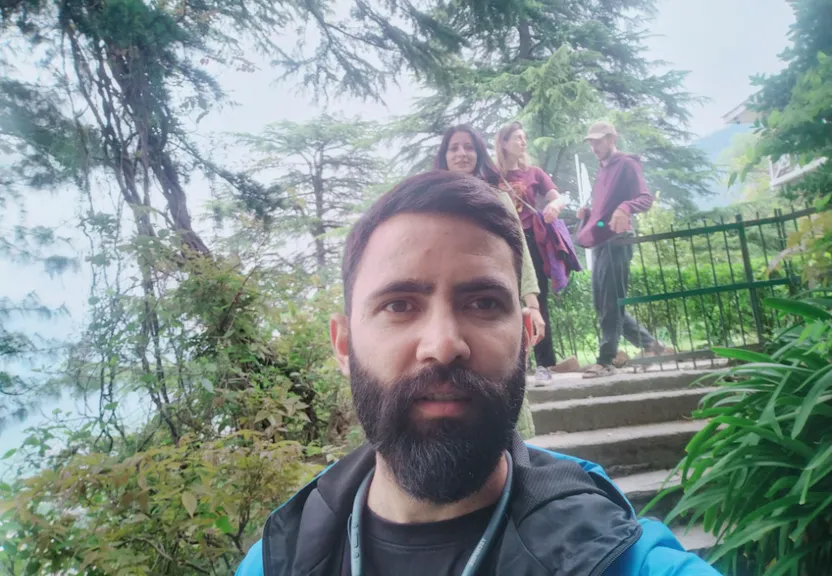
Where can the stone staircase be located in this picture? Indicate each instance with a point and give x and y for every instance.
(635, 425)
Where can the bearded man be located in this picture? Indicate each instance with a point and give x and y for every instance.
(433, 339)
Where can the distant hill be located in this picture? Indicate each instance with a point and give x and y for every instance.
(714, 145)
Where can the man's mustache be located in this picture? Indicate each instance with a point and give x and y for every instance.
(456, 377)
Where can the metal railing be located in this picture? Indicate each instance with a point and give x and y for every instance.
(693, 288)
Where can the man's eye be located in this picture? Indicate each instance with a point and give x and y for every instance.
(399, 306)
(485, 304)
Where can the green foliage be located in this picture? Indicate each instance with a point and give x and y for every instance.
(21, 347)
(20, 390)
(812, 243)
(800, 129)
(133, 70)
(795, 106)
(243, 404)
(47, 148)
(756, 183)
(325, 168)
(193, 508)
(759, 475)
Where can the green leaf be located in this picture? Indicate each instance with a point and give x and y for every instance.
(786, 564)
(810, 401)
(9, 454)
(224, 524)
(207, 384)
(740, 354)
(798, 308)
(804, 522)
(189, 502)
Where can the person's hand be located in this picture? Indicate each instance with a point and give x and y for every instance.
(538, 326)
(552, 211)
(620, 221)
(582, 213)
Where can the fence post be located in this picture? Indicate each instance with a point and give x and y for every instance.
(749, 277)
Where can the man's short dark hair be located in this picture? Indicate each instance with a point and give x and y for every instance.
(438, 192)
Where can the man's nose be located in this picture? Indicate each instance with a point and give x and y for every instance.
(441, 339)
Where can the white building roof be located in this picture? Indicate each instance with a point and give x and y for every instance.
(741, 115)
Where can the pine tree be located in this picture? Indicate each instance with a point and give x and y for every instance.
(325, 167)
(796, 104)
(558, 65)
(117, 78)
(39, 153)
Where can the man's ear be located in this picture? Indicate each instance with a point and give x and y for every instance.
(527, 331)
(339, 333)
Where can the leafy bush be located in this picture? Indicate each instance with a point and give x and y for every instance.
(759, 475)
(193, 508)
(243, 404)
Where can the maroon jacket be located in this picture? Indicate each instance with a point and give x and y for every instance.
(618, 184)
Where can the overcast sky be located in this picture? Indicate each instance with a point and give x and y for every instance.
(721, 43)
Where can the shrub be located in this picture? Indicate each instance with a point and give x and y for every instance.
(759, 475)
(194, 508)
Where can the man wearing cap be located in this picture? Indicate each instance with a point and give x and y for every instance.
(618, 193)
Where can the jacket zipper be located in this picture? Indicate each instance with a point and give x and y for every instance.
(266, 555)
(623, 547)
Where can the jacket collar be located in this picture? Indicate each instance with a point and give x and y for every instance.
(305, 536)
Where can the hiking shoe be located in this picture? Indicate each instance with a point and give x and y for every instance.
(599, 370)
(542, 374)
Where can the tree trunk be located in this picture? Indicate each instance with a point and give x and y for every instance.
(317, 228)
(524, 51)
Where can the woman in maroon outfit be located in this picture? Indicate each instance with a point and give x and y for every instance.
(533, 192)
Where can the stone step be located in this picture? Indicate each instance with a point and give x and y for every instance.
(642, 487)
(615, 411)
(574, 387)
(629, 449)
(695, 539)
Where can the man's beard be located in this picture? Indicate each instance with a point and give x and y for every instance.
(439, 460)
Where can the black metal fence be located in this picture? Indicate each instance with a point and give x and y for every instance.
(694, 288)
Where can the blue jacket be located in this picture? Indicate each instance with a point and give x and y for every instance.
(305, 536)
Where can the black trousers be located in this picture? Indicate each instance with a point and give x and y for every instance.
(544, 351)
(610, 278)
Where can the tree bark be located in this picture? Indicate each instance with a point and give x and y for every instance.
(317, 226)
(524, 51)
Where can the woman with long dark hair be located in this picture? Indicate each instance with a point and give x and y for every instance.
(538, 205)
(463, 150)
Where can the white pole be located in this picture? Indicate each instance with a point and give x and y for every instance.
(584, 192)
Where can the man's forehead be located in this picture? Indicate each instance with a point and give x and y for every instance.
(433, 244)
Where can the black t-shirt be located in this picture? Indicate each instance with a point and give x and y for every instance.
(435, 548)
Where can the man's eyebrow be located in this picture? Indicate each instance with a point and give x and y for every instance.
(484, 284)
(408, 286)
